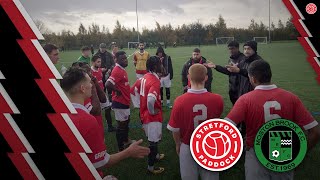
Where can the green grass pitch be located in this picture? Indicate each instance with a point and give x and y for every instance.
(291, 71)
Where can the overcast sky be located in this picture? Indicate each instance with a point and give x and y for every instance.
(67, 14)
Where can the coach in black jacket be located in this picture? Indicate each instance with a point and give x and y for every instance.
(235, 58)
(167, 76)
(196, 58)
(250, 51)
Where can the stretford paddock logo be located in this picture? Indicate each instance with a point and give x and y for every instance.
(216, 145)
(280, 145)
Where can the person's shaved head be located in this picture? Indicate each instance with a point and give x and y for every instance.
(198, 73)
(76, 81)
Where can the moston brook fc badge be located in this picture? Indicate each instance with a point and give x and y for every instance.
(280, 145)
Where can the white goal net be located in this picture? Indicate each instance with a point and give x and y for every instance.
(224, 40)
(133, 45)
(261, 40)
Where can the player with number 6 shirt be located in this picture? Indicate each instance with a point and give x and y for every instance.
(264, 103)
(189, 110)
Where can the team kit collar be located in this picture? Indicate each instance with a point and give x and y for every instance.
(265, 87)
(200, 91)
(80, 106)
(92, 68)
(155, 74)
(119, 66)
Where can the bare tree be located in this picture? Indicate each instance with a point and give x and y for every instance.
(42, 27)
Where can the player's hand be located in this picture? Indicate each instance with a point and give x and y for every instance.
(233, 68)
(94, 79)
(137, 151)
(210, 65)
(185, 88)
(178, 149)
(156, 111)
(118, 93)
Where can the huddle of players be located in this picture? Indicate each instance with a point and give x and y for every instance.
(84, 87)
(256, 100)
(196, 105)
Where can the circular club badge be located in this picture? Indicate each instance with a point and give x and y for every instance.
(311, 8)
(216, 144)
(280, 145)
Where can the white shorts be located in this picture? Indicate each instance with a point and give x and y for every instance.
(190, 170)
(165, 81)
(255, 170)
(121, 114)
(135, 100)
(139, 75)
(153, 131)
(106, 104)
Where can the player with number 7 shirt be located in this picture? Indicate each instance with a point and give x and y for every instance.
(264, 103)
(189, 110)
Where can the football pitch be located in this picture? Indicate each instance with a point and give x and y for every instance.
(290, 69)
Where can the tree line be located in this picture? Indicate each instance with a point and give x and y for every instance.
(186, 34)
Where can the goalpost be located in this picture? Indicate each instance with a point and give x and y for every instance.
(132, 45)
(261, 40)
(224, 40)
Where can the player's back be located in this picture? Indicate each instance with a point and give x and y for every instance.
(266, 103)
(150, 86)
(270, 104)
(193, 108)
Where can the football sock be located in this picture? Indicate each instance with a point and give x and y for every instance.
(153, 153)
(168, 94)
(122, 134)
(161, 93)
(108, 116)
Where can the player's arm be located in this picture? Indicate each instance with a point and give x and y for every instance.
(313, 136)
(184, 76)
(101, 95)
(153, 93)
(170, 68)
(112, 87)
(209, 81)
(112, 81)
(238, 112)
(235, 69)
(134, 150)
(150, 104)
(96, 108)
(222, 70)
(218, 68)
(174, 125)
(176, 137)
